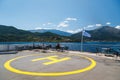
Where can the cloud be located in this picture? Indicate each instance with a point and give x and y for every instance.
(49, 23)
(71, 19)
(66, 22)
(89, 26)
(118, 27)
(63, 24)
(37, 28)
(94, 26)
(108, 23)
(74, 31)
(98, 25)
(45, 24)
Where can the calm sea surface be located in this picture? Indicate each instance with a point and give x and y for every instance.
(87, 46)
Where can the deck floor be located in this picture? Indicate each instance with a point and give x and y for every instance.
(53, 65)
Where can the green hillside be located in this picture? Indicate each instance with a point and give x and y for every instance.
(105, 33)
(10, 34)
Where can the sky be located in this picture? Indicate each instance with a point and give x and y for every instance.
(65, 15)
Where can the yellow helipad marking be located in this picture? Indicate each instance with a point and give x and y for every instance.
(53, 59)
(8, 66)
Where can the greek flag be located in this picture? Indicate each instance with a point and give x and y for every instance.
(84, 33)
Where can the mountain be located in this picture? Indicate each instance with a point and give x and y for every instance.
(10, 33)
(104, 33)
(62, 33)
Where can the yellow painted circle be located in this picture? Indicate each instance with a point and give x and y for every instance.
(12, 69)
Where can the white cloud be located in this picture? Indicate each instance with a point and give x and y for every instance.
(118, 27)
(70, 31)
(41, 28)
(63, 24)
(71, 19)
(49, 23)
(98, 25)
(74, 31)
(45, 24)
(108, 23)
(38, 28)
(89, 26)
(66, 21)
(94, 26)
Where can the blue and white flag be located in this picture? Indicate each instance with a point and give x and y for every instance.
(84, 33)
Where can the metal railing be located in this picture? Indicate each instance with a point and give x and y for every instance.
(71, 46)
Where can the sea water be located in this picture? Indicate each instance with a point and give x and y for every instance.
(87, 46)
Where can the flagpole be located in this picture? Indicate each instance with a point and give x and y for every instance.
(82, 36)
(82, 41)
